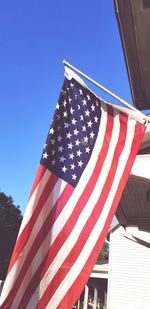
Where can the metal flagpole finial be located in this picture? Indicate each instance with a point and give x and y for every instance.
(145, 118)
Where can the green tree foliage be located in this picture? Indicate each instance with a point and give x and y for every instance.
(10, 220)
(104, 253)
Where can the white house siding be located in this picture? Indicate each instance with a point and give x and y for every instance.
(129, 270)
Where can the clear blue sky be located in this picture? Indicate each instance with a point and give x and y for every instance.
(35, 36)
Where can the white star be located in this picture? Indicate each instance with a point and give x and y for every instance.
(60, 148)
(87, 149)
(93, 107)
(74, 176)
(62, 159)
(51, 131)
(65, 114)
(66, 125)
(72, 85)
(77, 142)
(68, 135)
(64, 103)
(79, 107)
(58, 128)
(69, 99)
(84, 102)
(59, 138)
(71, 156)
(80, 91)
(72, 166)
(52, 142)
(45, 145)
(53, 152)
(58, 117)
(97, 103)
(75, 131)
(89, 123)
(53, 162)
(45, 155)
(87, 113)
(57, 106)
(78, 153)
(80, 163)
(88, 97)
(84, 128)
(92, 135)
(81, 117)
(71, 110)
(63, 92)
(70, 146)
(85, 139)
(74, 121)
(64, 169)
(96, 119)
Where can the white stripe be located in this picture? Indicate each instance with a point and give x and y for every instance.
(67, 211)
(45, 246)
(71, 203)
(36, 260)
(29, 210)
(85, 214)
(39, 256)
(32, 203)
(89, 245)
(14, 272)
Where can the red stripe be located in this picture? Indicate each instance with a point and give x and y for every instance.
(39, 175)
(71, 222)
(39, 239)
(70, 225)
(75, 290)
(25, 234)
(78, 285)
(75, 252)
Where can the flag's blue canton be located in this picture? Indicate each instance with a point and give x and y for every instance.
(73, 132)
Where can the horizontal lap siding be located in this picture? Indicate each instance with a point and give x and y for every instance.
(129, 277)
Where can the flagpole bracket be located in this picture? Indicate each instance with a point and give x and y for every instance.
(144, 118)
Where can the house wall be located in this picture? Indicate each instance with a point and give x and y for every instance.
(129, 270)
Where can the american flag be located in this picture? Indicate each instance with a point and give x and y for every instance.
(86, 161)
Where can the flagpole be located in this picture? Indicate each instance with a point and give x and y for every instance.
(106, 90)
